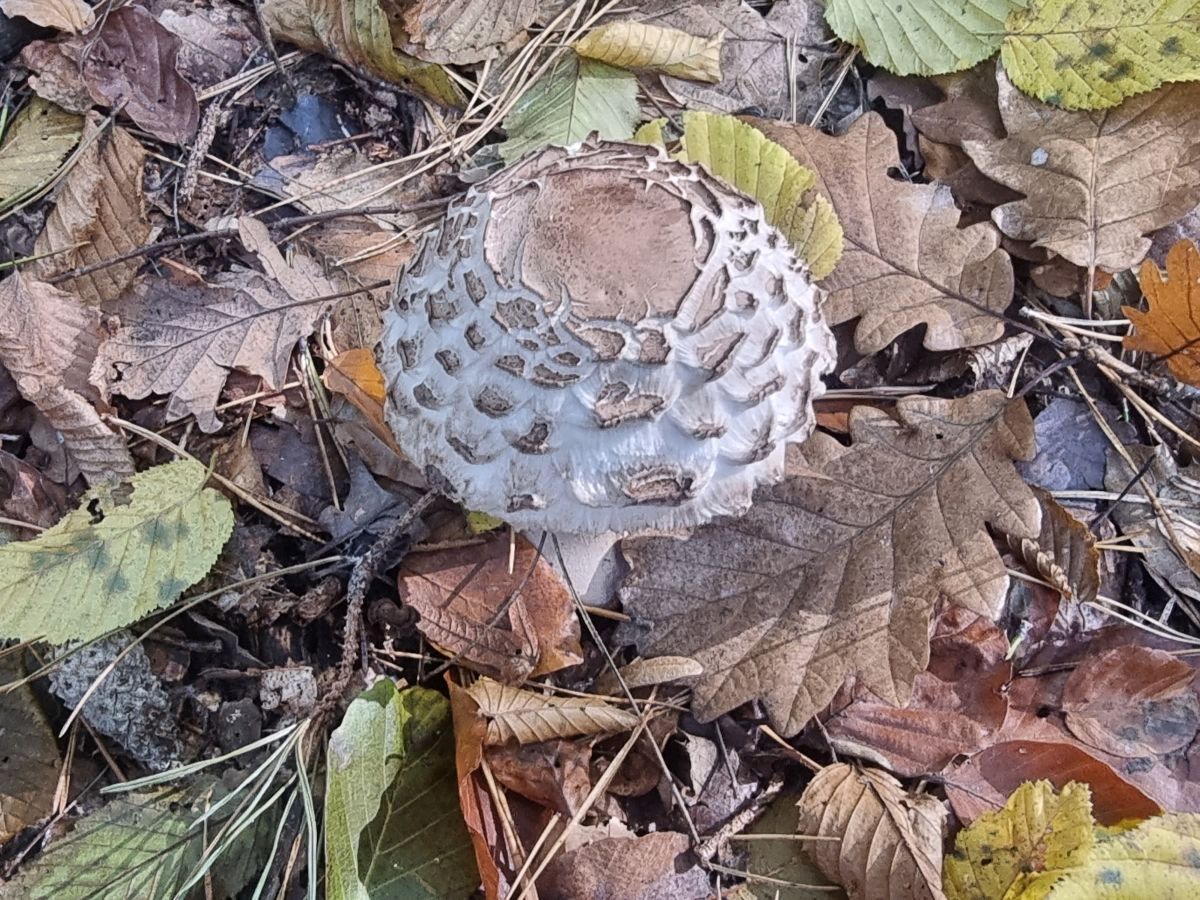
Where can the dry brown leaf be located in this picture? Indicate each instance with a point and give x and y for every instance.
(956, 706)
(47, 340)
(183, 339)
(526, 716)
(302, 277)
(467, 31)
(355, 376)
(650, 867)
(1133, 702)
(99, 213)
(56, 75)
(28, 496)
(510, 626)
(906, 261)
(659, 670)
(71, 16)
(638, 45)
(1170, 328)
(889, 841)
(1064, 554)
(835, 571)
(130, 63)
(1095, 182)
(29, 768)
(553, 774)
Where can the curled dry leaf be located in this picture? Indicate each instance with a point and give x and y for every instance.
(1064, 554)
(834, 571)
(636, 45)
(889, 842)
(47, 341)
(1095, 183)
(35, 144)
(357, 33)
(508, 625)
(1170, 328)
(183, 339)
(906, 260)
(1133, 702)
(71, 16)
(130, 63)
(467, 31)
(99, 213)
(526, 716)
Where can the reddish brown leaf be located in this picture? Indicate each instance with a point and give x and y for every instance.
(1064, 553)
(27, 495)
(131, 64)
(650, 867)
(1133, 702)
(982, 783)
(1169, 329)
(510, 626)
(553, 774)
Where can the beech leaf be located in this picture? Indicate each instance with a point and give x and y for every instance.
(834, 571)
(1095, 183)
(1094, 55)
(636, 45)
(1170, 328)
(573, 99)
(35, 144)
(889, 842)
(526, 716)
(127, 550)
(906, 261)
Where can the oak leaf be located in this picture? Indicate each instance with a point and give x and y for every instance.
(182, 340)
(906, 261)
(48, 340)
(99, 213)
(1170, 328)
(467, 31)
(889, 841)
(1095, 183)
(834, 571)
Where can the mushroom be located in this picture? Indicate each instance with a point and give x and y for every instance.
(601, 341)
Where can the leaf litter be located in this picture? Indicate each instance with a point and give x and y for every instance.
(898, 672)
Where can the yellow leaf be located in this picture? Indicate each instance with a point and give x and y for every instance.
(1094, 55)
(651, 133)
(757, 166)
(1159, 859)
(1170, 328)
(1003, 853)
(482, 523)
(34, 146)
(636, 45)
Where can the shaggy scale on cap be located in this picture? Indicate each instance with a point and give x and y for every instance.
(601, 339)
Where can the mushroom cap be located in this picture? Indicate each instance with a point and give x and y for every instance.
(602, 339)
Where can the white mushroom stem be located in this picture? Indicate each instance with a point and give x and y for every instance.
(590, 561)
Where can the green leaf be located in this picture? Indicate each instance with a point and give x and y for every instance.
(637, 45)
(34, 146)
(1094, 55)
(144, 847)
(745, 158)
(576, 97)
(392, 821)
(921, 37)
(129, 549)
(780, 856)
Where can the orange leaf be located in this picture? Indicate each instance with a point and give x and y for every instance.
(1170, 328)
(354, 375)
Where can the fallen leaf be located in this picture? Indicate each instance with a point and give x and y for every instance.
(1169, 328)
(47, 341)
(980, 784)
(906, 260)
(957, 704)
(354, 375)
(182, 340)
(508, 624)
(636, 45)
(921, 37)
(1004, 853)
(1133, 702)
(130, 63)
(889, 841)
(553, 774)
(28, 495)
(659, 670)
(126, 551)
(1095, 183)
(56, 75)
(467, 31)
(743, 156)
(640, 868)
(1096, 56)
(392, 823)
(834, 572)
(35, 144)
(357, 34)
(300, 276)
(778, 855)
(526, 716)
(575, 98)
(29, 768)
(71, 16)
(1064, 554)
(99, 213)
